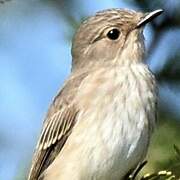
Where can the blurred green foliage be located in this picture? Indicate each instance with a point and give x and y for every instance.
(162, 154)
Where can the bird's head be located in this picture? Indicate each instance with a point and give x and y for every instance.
(113, 35)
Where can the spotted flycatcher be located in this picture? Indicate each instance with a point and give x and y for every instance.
(99, 125)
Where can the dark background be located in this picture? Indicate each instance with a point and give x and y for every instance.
(35, 41)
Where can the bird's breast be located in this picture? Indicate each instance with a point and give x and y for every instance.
(119, 112)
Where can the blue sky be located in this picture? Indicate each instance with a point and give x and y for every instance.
(34, 61)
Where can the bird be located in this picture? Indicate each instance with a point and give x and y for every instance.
(99, 125)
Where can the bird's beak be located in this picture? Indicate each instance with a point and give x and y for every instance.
(148, 17)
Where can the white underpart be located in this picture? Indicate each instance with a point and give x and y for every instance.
(113, 130)
(122, 127)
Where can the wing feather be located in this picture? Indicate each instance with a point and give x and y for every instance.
(57, 127)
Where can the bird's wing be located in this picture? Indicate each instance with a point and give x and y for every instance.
(56, 129)
(57, 126)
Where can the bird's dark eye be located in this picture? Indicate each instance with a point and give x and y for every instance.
(113, 34)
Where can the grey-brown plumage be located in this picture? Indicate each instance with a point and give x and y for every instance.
(108, 53)
(57, 126)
